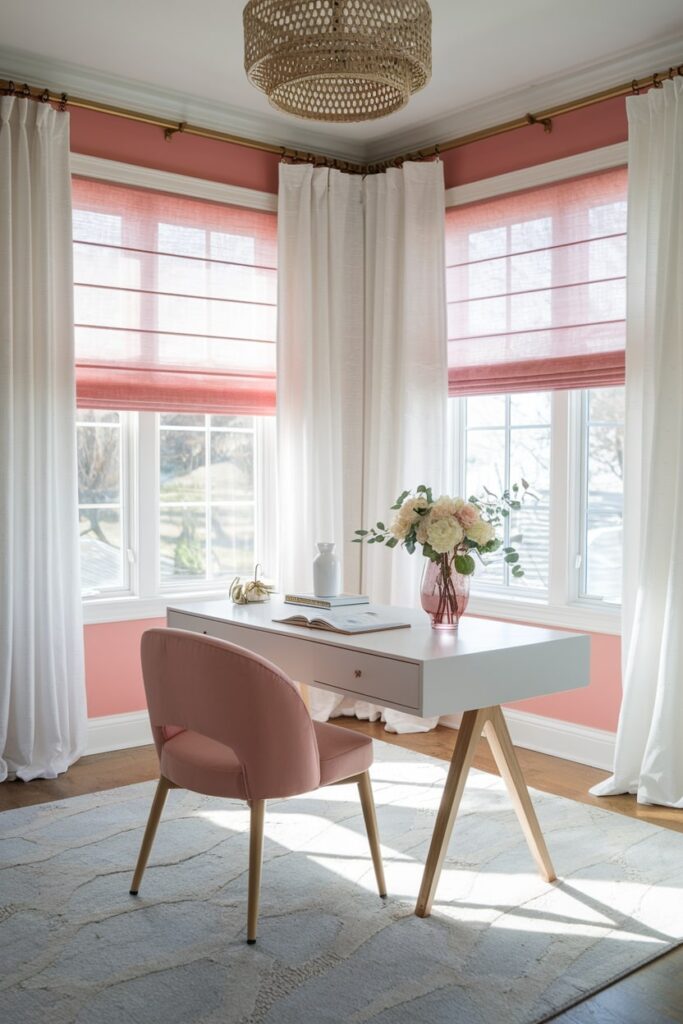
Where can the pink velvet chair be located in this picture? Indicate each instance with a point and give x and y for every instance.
(229, 723)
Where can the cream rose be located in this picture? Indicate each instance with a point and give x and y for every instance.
(445, 507)
(480, 532)
(445, 534)
(406, 517)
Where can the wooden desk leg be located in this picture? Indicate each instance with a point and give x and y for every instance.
(492, 722)
(468, 736)
(305, 691)
(496, 732)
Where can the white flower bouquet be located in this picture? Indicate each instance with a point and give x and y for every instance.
(450, 532)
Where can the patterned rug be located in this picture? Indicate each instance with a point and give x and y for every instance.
(501, 944)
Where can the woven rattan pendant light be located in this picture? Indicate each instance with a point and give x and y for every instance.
(338, 60)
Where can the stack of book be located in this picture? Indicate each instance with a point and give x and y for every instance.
(311, 601)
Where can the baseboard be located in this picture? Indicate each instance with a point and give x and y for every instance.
(116, 732)
(579, 743)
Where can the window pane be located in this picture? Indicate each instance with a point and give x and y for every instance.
(208, 494)
(530, 429)
(232, 421)
(101, 550)
(507, 440)
(182, 543)
(181, 419)
(531, 408)
(99, 470)
(100, 514)
(232, 539)
(232, 466)
(603, 487)
(486, 411)
(182, 465)
(96, 416)
(485, 467)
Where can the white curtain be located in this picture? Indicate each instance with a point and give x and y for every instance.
(42, 696)
(320, 368)
(406, 382)
(362, 375)
(649, 751)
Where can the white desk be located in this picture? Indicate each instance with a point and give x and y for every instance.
(424, 672)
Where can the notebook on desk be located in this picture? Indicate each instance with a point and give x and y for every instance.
(344, 622)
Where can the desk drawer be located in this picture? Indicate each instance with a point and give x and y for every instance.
(375, 679)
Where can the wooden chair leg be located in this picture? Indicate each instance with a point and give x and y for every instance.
(496, 732)
(258, 810)
(368, 804)
(469, 734)
(150, 831)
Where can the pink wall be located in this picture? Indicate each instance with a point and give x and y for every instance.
(596, 705)
(113, 679)
(131, 142)
(586, 129)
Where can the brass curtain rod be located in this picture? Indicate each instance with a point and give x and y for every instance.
(170, 128)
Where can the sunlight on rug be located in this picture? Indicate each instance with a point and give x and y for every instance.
(501, 943)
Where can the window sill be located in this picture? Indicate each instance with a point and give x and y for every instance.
(130, 608)
(589, 618)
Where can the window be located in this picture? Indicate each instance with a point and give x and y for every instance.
(102, 506)
(175, 369)
(500, 439)
(536, 307)
(602, 479)
(207, 497)
(507, 439)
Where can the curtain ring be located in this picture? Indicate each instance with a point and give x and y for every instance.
(45, 96)
(635, 87)
(656, 84)
(10, 90)
(26, 91)
(64, 99)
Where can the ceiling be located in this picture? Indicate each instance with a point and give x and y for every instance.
(491, 60)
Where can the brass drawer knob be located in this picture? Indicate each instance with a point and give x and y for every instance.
(357, 673)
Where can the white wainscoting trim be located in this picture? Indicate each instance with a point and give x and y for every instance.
(169, 181)
(590, 162)
(580, 743)
(117, 732)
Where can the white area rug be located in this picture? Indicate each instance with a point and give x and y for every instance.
(501, 945)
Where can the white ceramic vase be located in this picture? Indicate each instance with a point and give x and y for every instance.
(326, 572)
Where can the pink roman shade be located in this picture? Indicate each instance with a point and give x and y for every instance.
(536, 288)
(174, 302)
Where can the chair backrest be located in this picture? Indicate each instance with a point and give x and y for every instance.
(231, 695)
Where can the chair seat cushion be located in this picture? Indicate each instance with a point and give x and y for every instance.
(343, 752)
(203, 765)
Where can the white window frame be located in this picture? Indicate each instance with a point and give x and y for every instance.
(562, 606)
(145, 598)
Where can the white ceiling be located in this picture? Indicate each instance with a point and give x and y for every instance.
(491, 57)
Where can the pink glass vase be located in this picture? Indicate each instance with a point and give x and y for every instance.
(444, 592)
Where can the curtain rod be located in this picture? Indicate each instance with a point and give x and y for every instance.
(542, 117)
(170, 128)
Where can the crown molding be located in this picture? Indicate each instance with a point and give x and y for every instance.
(167, 181)
(61, 76)
(549, 92)
(281, 131)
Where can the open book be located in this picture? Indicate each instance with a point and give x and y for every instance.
(344, 622)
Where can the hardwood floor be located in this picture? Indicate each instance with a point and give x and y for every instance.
(650, 995)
